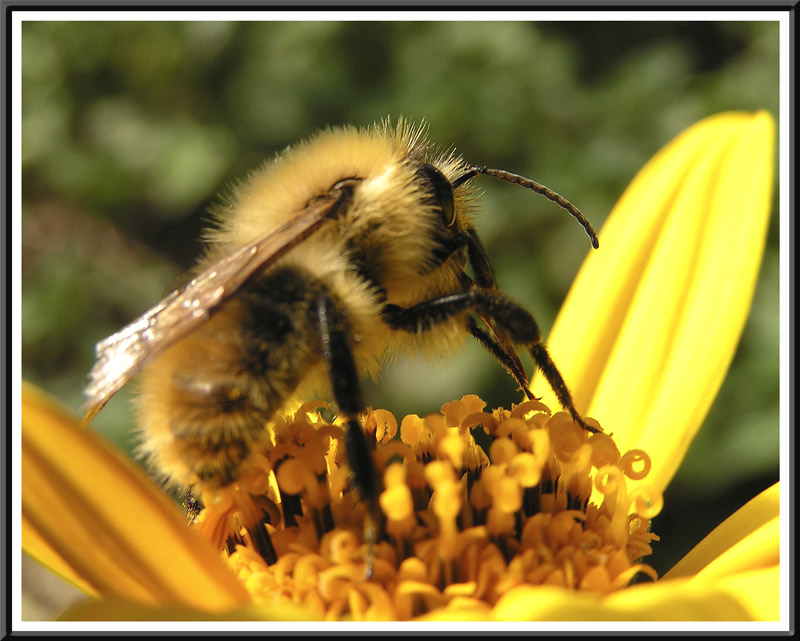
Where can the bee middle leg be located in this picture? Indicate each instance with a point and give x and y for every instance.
(515, 321)
(346, 387)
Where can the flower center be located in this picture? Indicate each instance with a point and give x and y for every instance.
(540, 502)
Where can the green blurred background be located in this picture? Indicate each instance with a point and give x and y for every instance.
(130, 129)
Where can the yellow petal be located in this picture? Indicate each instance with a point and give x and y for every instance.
(687, 600)
(105, 521)
(37, 547)
(648, 330)
(750, 596)
(758, 518)
(93, 610)
(662, 601)
(758, 591)
(757, 550)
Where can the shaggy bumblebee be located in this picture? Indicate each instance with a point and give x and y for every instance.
(345, 250)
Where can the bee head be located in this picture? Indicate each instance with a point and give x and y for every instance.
(440, 193)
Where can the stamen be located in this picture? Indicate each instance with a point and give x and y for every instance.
(458, 526)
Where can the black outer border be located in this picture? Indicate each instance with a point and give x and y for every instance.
(6, 348)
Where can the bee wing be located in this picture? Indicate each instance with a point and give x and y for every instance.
(122, 355)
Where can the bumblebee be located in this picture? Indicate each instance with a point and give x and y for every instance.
(347, 249)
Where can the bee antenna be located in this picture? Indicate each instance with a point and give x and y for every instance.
(516, 179)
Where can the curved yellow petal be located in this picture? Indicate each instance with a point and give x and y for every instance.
(745, 540)
(759, 549)
(106, 522)
(648, 330)
(688, 600)
(758, 591)
(748, 596)
(456, 614)
(678, 600)
(37, 547)
(550, 603)
(113, 610)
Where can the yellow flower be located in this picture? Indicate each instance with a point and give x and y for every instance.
(547, 522)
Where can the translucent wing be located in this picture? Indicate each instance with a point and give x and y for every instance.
(122, 355)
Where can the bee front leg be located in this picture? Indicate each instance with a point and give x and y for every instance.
(512, 365)
(512, 319)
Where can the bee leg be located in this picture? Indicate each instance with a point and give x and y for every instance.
(346, 385)
(491, 345)
(479, 261)
(523, 329)
(494, 342)
(513, 320)
(192, 504)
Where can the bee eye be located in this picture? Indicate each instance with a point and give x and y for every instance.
(441, 193)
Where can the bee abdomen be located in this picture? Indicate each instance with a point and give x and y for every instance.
(218, 465)
(209, 400)
(214, 427)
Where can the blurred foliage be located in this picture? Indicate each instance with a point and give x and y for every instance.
(130, 129)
